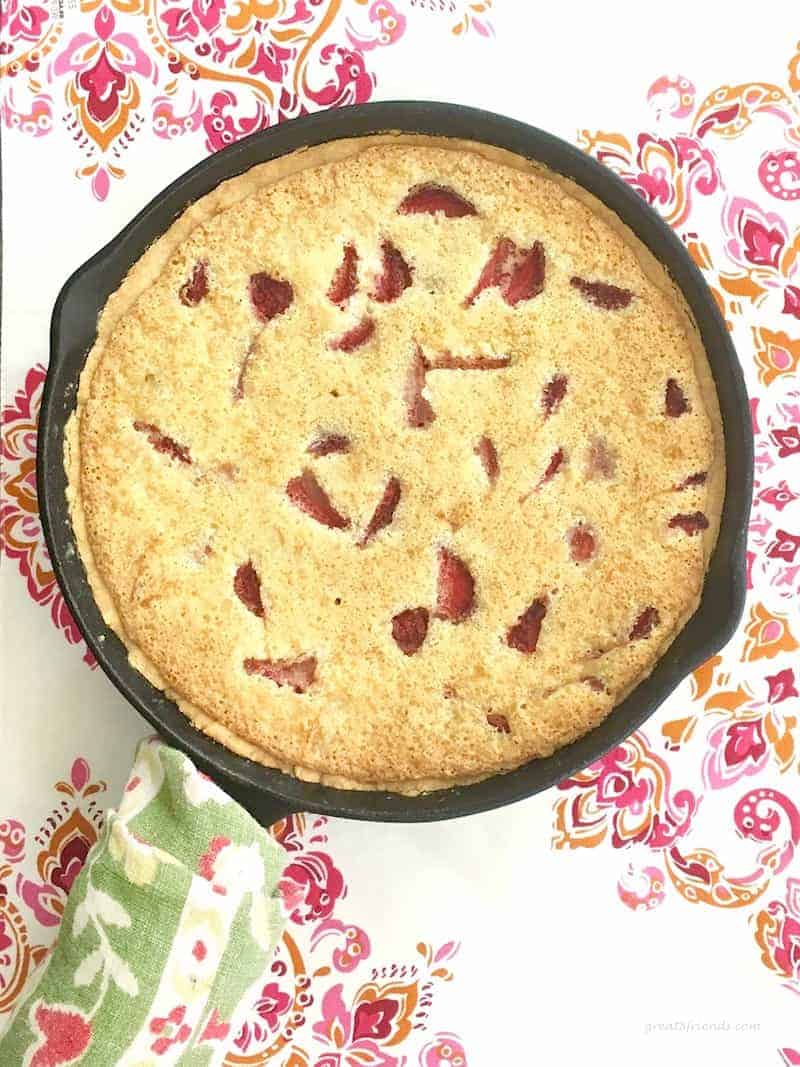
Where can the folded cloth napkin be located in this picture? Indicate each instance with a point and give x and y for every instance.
(167, 929)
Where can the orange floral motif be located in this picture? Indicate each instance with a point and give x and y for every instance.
(775, 354)
(729, 110)
(20, 530)
(766, 635)
(777, 934)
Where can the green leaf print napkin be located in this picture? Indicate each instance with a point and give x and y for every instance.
(167, 929)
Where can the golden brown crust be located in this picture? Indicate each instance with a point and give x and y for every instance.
(374, 717)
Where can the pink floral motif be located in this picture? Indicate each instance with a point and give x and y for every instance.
(641, 888)
(672, 96)
(736, 748)
(171, 1030)
(781, 686)
(65, 1032)
(264, 1018)
(215, 1029)
(221, 128)
(778, 495)
(388, 26)
(785, 546)
(779, 173)
(355, 944)
(445, 1050)
(627, 795)
(310, 886)
(12, 840)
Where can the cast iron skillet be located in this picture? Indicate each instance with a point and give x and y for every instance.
(270, 794)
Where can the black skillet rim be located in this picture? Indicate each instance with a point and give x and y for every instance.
(270, 793)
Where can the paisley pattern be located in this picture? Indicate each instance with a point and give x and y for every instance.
(701, 809)
(736, 735)
(208, 69)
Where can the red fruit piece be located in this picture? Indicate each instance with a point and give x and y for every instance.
(582, 543)
(409, 629)
(675, 402)
(296, 673)
(162, 443)
(419, 412)
(527, 276)
(307, 494)
(396, 275)
(345, 280)
(595, 684)
(430, 199)
(355, 337)
(644, 624)
(247, 586)
(196, 287)
(553, 393)
(690, 524)
(328, 443)
(455, 594)
(447, 362)
(384, 512)
(499, 722)
(552, 468)
(517, 272)
(524, 634)
(269, 296)
(693, 479)
(601, 462)
(487, 454)
(603, 295)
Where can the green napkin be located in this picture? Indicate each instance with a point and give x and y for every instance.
(167, 929)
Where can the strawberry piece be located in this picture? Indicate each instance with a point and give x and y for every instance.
(307, 494)
(499, 722)
(601, 462)
(328, 443)
(269, 296)
(517, 272)
(487, 454)
(196, 287)
(247, 586)
(582, 543)
(552, 468)
(527, 276)
(675, 402)
(595, 684)
(297, 673)
(355, 337)
(690, 524)
(494, 270)
(396, 276)
(455, 594)
(162, 443)
(553, 393)
(524, 634)
(432, 199)
(447, 362)
(693, 479)
(603, 295)
(409, 629)
(384, 512)
(643, 626)
(345, 280)
(419, 412)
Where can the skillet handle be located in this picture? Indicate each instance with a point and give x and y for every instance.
(265, 808)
